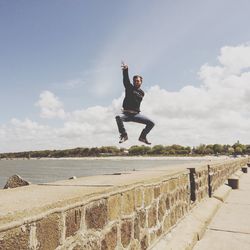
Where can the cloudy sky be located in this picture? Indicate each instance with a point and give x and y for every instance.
(60, 75)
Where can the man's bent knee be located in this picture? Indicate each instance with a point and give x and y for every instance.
(151, 123)
(118, 118)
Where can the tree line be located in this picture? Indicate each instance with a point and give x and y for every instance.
(157, 150)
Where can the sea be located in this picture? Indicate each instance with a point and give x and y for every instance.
(39, 171)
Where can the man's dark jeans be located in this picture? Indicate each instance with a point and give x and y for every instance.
(128, 117)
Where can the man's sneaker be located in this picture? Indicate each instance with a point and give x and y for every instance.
(123, 138)
(144, 139)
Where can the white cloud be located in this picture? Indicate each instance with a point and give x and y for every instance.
(21, 135)
(50, 106)
(27, 124)
(215, 112)
(235, 59)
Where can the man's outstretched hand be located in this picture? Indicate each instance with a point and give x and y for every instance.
(124, 66)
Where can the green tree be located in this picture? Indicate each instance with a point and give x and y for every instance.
(218, 148)
(200, 149)
(243, 148)
(238, 150)
(209, 151)
(230, 150)
(247, 149)
(157, 150)
(135, 150)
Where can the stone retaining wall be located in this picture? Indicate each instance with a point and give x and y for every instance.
(198, 184)
(221, 172)
(133, 217)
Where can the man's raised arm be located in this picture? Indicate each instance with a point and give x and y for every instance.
(126, 81)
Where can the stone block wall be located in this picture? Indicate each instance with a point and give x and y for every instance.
(198, 184)
(133, 217)
(219, 173)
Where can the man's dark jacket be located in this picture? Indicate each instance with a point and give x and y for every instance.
(133, 95)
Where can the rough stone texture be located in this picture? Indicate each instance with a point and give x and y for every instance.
(91, 242)
(168, 198)
(15, 181)
(184, 180)
(172, 217)
(220, 173)
(157, 192)
(148, 196)
(178, 212)
(137, 228)
(78, 247)
(96, 215)
(15, 239)
(142, 218)
(164, 187)
(155, 234)
(114, 207)
(172, 184)
(144, 242)
(110, 240)
(128, 202)
(152, 215)
(184, 195)
(166, 223)
(126, 232)
(72, 221)
(48, 231)
(135, 245)
(152, 236)
(138, 197)
(88, 241)
(173, 199)
(159, 232)
(161, 209)
(201, 184)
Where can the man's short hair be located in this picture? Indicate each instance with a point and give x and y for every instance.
(135, 76)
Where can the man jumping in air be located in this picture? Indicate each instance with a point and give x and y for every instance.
(131, 107)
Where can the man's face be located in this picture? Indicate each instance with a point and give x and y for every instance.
(137, 82)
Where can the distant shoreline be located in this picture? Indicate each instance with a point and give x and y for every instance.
(208, 157)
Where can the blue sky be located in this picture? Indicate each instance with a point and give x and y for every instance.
(73, 50)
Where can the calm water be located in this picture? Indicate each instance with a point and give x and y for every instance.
(40, 171)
